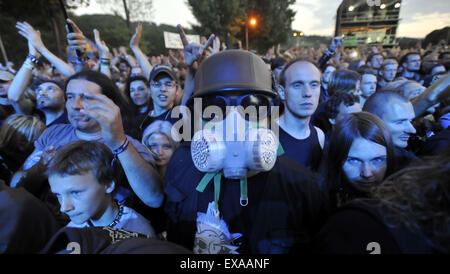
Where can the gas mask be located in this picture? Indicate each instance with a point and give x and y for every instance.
(237, 88)
(235, 144)
(237, 93)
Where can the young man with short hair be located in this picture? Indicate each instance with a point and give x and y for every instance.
(410, 63)
(397, 113)
(163, 90)
(368, 83)
(299, 90)
(82, 176)
(387, 72)
(375, 60)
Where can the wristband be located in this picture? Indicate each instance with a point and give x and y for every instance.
(33, 59)
(28, 64)
(105, 61)
(119, 150)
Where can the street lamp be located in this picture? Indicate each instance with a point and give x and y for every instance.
(298, 35)
(253, 23)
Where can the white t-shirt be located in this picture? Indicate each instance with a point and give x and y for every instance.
(130, 221)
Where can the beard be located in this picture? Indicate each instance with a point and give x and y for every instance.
(46, 104)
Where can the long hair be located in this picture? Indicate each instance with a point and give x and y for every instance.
(110, 90)
(132, 79)
(401, 87)
(343, 80)
(364, 125)
(135, 109)
(161, 127)
(19, 132)
(418, 197)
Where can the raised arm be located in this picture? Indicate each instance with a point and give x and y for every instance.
(140, 56)
(432, 95)
(17, 88)
(335, 43)
(143, 178)
(34, 37)
(105, 59)
(193, 54)
(77, 41)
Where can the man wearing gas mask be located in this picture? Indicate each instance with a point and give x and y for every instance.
(227, 190)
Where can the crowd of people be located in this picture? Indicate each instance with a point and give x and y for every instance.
(215, 150)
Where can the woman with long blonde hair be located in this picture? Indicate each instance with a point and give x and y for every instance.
(17, 136)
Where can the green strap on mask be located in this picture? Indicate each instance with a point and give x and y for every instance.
(218, 177)
(205, 181)
(280, 150)
(217, 180)
(244, 197)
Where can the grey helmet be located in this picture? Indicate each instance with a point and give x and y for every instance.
(233, 70)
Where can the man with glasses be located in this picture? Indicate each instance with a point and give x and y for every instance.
(163, 90)
(299, 90)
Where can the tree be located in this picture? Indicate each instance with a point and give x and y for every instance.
(45, 15)
(216, 17)
(436, 36)
(134, 10)
(274, 19)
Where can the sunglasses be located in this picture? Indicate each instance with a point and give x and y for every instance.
(251, 107)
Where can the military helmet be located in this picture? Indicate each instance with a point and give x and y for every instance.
(233, 70)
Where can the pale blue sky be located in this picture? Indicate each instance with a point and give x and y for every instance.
(317, 17)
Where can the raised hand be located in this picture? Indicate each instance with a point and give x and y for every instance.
(123, 51)
(432, 95)
(216, 45)
(224, 46)
(76, 39)
(33, 36)
(136, 38)
(335, 43)
(101, 45)
(107, 114)
(193, 52)
(115, 52)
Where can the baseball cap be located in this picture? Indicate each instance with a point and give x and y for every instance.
(6, 75)
(163, 69)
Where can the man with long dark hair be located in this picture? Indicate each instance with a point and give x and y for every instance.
(95, 106)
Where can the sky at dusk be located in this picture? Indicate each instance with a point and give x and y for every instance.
(314, 17)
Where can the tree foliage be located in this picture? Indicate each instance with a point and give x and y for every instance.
(44, 15)
(131, 10)
(436, 36)
(274, 19)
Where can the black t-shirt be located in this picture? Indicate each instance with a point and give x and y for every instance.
(436, 144)
(147, 120)
(63, 119)
(5, 111)
(10, 162)
(26, 222)
(307, 152)
(284, 208)
(359, 227)
(403, 158)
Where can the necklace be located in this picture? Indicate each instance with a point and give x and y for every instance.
(118, 216)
